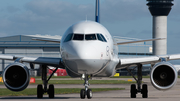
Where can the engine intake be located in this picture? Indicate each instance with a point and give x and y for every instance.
(163, 76)
(16, 77)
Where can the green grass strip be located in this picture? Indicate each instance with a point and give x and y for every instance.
(90, 81)
(33, 91)
(110, 77)
(82, 82)
(129, 77)
(38, 77)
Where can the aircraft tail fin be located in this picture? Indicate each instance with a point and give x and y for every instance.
(97, 19)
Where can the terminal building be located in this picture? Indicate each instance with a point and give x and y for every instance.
(24, 45)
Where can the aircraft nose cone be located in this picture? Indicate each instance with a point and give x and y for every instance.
(86, 51)
(85, 58)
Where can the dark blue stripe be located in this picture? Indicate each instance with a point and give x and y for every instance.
(97, 12)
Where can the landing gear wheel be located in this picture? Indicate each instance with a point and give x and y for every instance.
(89, 94)
(51, 91)
(82, 94)
(133, 91)
(40, 91)
(144, 91)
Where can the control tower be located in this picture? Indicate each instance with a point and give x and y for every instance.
(159, 10)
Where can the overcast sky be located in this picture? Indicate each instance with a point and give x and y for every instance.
(127, 18)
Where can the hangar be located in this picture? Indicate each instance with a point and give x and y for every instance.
(23, 45)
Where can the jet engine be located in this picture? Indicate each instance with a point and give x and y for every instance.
(16, 76)
(163, 76)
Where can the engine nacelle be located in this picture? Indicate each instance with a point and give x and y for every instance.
(163, 76)
(16, 76)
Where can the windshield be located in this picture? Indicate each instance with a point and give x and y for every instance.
(87, 37)
(78, 37)
(101, 38)
(68, 38)
(90, 37)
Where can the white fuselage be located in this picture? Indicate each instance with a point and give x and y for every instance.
(87, 47)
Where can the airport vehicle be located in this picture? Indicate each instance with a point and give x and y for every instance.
(88, 50)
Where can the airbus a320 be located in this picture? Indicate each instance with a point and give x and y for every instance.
(88, 50)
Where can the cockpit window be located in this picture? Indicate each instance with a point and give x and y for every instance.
(68, 38)
(78, 37)
(90, 37)
(101, 38)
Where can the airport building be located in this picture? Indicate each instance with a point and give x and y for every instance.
(24, 45)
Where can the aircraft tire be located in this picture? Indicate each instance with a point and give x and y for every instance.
(133, 91)
(144, 91)
(89, 94)
(51, 91)
(40, 91)
(82, 94)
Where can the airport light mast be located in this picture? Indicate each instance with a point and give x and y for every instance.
(159, 10)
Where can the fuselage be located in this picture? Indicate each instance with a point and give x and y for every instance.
(87, 47)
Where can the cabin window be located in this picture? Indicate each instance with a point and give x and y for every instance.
(78, 37)
(90, 37)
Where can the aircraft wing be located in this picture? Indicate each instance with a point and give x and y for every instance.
(47, 40)
(57, 62)
(136, 41)
(145, 60)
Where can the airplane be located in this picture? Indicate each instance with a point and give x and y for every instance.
(88, 50)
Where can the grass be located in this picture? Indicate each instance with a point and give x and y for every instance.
(110, 77)
(33, 91)
(128, 77)
(82, 82)
(90, 81)
(37, 77)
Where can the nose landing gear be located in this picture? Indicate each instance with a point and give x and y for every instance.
(86, 91)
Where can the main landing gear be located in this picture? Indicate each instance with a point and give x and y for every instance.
(40, 89)
(86, 91)
(134, 90)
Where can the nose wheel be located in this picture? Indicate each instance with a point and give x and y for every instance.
(86, 92)
(83, 94)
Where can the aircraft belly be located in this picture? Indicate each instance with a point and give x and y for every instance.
(89, 66)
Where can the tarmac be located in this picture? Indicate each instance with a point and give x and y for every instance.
(119, 95)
